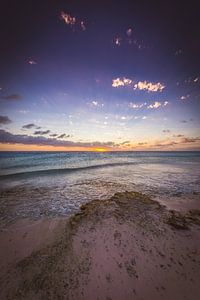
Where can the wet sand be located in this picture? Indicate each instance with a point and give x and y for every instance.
(126, 247)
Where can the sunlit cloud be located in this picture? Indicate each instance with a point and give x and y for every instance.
(121, 82)
(140, 85)
(69, 20)
(149, 86)
(157, 104)
(196, 79)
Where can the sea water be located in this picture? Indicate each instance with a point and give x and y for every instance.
(36, 184)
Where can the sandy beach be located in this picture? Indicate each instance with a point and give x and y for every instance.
(126, 247)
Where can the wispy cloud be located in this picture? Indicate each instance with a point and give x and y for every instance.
(166, 131)
(4, 120)
(136, 106)
(29, 126)
(42, 132)
(11, 97)
(62, 136)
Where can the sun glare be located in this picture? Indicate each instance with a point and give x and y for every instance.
(100, 149)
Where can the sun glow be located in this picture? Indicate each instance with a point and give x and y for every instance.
(101, 149)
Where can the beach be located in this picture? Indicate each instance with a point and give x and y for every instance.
(125, 247)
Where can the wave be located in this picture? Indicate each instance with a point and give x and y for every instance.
(63, 170)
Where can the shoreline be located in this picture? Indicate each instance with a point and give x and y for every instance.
(128, 246)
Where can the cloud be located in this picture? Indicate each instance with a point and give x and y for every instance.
(121, 82)
(157, 104)
(62, 136)
(185, 97)
(32, 62)
(136, 106)
(183, 121)
(129, 32)
(141, 85)
(165, 144)
(95, 103)
(54, 134)
(29, 126)
(149, 86)
(83, 25)
(166, 131)
(125, 142)
(4, 120)
(178, 135)
(142, 143)
(69, 20)
(190, 140)
(72, 21)
(9, 138)
(11, 97)
(41, 132)
(118, 41)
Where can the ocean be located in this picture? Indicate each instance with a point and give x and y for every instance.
(37, 184)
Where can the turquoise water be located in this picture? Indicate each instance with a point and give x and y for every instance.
(33, 184)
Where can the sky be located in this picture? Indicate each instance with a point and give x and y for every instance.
(99, 75)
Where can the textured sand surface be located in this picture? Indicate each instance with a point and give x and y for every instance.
(127, 247)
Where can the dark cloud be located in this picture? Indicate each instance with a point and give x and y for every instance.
(124, 143)
(41, 132)
(54, 134)
(11, 97)
(29, 126)
(62, 136)
(9, 138)
(183, 121)
(166, 131)
(190, 140)
(4, 120)
(165, 144)
(178, 135)
(141, 144)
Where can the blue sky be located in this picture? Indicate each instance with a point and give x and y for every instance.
(88, 76)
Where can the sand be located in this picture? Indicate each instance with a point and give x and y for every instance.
(126, 247)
